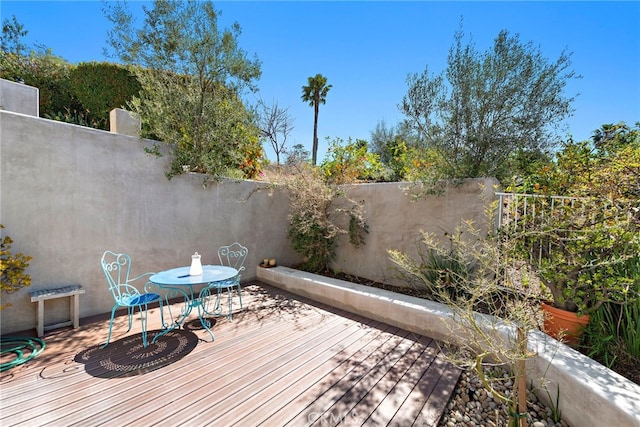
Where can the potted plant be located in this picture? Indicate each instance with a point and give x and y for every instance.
(579, 249)
(12, 268)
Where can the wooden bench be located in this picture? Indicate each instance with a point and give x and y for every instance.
(43, 295)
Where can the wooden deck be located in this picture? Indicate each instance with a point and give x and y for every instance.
(282, 361)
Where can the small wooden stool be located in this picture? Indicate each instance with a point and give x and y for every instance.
(46, 294)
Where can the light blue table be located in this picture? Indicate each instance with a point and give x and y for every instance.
(177, 281)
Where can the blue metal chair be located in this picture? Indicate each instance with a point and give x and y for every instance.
(116, 268)
(233, 255)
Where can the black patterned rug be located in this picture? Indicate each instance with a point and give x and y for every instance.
(127, 356)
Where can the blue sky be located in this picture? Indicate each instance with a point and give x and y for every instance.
(366, 49)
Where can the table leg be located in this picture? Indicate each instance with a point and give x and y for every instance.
(189, 303)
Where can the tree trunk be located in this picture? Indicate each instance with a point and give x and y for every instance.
(315, 132)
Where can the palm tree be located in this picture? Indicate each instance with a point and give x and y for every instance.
(315, 94)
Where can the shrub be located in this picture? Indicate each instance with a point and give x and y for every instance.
(101, 87)
(315, 210)
(47, 72)
(12, 267)
(345, 164)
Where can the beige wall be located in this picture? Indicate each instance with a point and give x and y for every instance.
(68, 193)
(19, 98)
(395, 222)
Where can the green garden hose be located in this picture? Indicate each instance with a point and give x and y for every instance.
(22, 349)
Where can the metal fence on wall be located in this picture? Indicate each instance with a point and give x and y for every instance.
(515, 211)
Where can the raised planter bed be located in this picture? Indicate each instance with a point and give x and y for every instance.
(590, 394)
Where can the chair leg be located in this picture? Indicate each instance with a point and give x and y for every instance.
(143, 323)
(240, 294)
(130, 313)
(230, 295)
(161, 312)
(113, 312)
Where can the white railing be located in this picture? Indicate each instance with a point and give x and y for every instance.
(516, 208)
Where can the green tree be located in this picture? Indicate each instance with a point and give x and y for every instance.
(381, 138)
(315, 93)
(487, 106)
(12, 34)
(393, 145)
(193, 75)
(351, 162)
(297, 155)
(606, 167)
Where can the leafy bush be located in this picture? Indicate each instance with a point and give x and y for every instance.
(49, 73)
(12, 267)
(101, 87)
(577, 247)
(579, 244)
(613, 335)
(315, 210)
(466, 272)
(345, 164)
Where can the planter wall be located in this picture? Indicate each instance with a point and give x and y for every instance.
(590, 394)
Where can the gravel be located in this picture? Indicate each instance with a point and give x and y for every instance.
(471, 405)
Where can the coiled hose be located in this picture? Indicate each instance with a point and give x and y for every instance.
(19, 350)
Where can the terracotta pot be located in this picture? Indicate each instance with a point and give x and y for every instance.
(564, 325)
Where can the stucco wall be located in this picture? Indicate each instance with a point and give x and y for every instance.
(68, 193)
(395, 220)
(19, 98)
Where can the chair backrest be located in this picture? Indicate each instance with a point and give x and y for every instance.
(116, 268)
(233, 255)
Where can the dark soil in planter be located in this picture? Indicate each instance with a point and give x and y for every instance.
(629, 369)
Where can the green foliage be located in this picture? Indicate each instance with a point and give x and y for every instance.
(192, 75)
(50, 74)
(358, 228)
(74, 117)
(298, 154)
(228, 146)
(576, 247)
(465, 271)
(488, 105)
(423, 168)
(12, 34)
(101, 87)
(314, 241)
(311, 231)
(397, 153)
(349, 163)
(315, 213)
(440, 272)
(608, 167)
(613, 334)
(580, 245)
(315, 93)
(12, 267)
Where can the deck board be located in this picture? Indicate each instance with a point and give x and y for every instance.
(282, 360)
